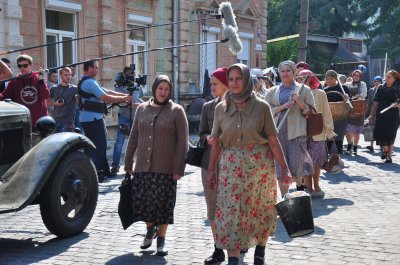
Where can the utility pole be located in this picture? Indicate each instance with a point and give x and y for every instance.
(303, 28)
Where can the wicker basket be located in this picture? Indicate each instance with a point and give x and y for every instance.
(359, 108)
(339, 110)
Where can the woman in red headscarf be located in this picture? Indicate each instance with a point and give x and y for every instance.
(317, 144)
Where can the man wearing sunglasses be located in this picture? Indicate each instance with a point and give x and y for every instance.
(29, 90)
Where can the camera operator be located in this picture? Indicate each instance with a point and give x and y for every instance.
(62, 98)
(92, 99)
(125, 83)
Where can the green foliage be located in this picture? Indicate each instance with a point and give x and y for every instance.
(281, 50)
(331, 17)
(380, 21)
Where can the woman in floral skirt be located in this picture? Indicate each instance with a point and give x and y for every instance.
(245, 144)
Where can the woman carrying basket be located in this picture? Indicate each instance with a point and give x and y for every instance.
(339, 113)
(358, 93)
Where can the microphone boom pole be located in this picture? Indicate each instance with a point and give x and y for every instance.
(104, 34)
(120, 55)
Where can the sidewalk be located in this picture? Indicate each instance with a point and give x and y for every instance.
(356, 223)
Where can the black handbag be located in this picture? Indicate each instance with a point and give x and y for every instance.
(195, 155)
(125, 201)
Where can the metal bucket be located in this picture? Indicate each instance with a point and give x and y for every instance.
(296, 215)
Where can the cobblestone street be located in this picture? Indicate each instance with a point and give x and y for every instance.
(356, 223)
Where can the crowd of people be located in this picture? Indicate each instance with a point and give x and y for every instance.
(255, 136)
(254, 132)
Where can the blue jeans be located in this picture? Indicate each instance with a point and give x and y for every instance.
(119, 141)
(64, 127)
(76, 121)
(96, 132)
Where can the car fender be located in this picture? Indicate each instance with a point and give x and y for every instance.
(22, 182)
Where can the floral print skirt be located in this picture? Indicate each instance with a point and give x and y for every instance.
(245, 214)
(153, 197)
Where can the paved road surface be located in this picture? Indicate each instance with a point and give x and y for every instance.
(358, 222)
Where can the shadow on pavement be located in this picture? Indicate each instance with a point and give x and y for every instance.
(130, 259)
(336, 178)
(282, 236)
(43, 250)
(327, 206)
(385, 167)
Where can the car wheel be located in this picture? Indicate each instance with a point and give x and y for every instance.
(69, 198)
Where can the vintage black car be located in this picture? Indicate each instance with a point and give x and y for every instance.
(55, 172)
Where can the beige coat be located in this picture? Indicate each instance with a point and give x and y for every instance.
(321, 101)
(297, 123)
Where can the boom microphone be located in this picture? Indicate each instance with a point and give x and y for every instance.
(234, 43)
(226, 10)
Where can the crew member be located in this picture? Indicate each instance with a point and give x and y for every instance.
(93, 109)
(30, 90)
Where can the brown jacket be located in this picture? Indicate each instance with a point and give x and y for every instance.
(159, 137)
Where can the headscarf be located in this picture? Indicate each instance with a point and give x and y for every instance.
(378, 78)
(290, 64)
(314, 82)
(331, 73)
(221, 75)
(247, 83)
(303, 64)
(157, 81)
(357, 71)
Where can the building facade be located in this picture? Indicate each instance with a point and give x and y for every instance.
(136, 27)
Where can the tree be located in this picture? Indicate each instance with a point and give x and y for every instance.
(380, 20)
(332, 18)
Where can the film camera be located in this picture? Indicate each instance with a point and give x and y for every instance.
(129, 81)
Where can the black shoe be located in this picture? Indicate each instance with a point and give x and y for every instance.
(355, 150)
(161, 247)
(100, 176)
(388, 160)
(114, 170)
(383, 155)
(148, 239)
(370, 148)
(244, 250)
(217, 256)
(259, 260)
(349, 147)
(301, 188)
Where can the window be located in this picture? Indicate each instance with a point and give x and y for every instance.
(244, 56)
(137, 42)
(60, 26)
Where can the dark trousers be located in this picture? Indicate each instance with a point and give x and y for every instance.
(96, 132)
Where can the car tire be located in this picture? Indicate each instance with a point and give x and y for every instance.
(68, 199)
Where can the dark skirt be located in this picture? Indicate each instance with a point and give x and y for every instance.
(340, 127)
(154, 197)
(386, 126)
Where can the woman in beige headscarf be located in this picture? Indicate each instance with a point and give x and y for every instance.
(245, 138)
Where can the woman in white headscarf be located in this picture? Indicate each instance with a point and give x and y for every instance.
(293, 133)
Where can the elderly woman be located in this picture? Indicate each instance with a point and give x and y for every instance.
(244, 143)
(219, 86)
(293, 133)
(358, 91)
(387, 123)
(339, 125)
(159, 138)
(317, 143)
